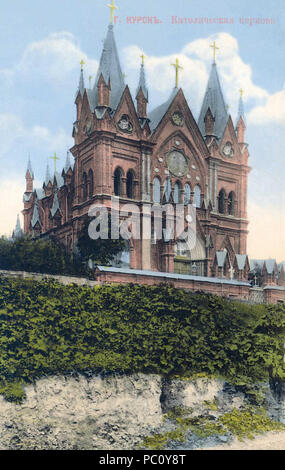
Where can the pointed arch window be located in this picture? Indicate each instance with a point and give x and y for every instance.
(231, 203)
(167, 190)
(84, 187)
(187, 193)
(130, 184)
(156, 190)
(222, 201)
(118, 182)
(90, 183)
(197, 196)
(177, 192)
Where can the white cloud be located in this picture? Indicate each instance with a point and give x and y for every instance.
(196, 58)
(272, 111)
(13, 130)
(53, 59)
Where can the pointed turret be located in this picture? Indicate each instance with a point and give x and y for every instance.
(109, 83)
(214, 101)
(142, 93)
(18, 232)
(241, 122)
(29, 177)
(55, 205)
(67, 165)
(48, 178)
(81, 86)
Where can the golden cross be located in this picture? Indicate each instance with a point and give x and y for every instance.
(241, 92)
(177, 66)
(215, 48)
(82, 63)
(142, 57)
(112, 7)
(124, 75)
(90, 80)
(54, 158)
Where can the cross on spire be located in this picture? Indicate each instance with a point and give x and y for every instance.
(54, 158)
(241, 91)
(82, 63)
(177, 67)
(112, 8)
(215, 48)
(142, 58)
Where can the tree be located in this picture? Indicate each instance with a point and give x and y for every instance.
(99, 251)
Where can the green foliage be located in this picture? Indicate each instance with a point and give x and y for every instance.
(101, 251)
(42, 255)
(47, 328)
(245, 423)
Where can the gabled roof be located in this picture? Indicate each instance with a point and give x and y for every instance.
(214, 100)
(270, 265)
(142, 84)
(36, 217)
(58, 179)
(241, 261)
(110, 69)
(40, 194)
(55, 205)
(221, 258)
(157, 114)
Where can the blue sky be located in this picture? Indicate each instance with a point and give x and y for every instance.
(42, 43)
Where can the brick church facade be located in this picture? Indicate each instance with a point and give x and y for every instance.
(146, 158)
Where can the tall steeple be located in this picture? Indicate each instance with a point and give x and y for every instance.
(29, 177)
(67, 163)
(214, 101)
(241, 121)
(142, 92)
(48, 177)
(109, 72)
(18, 232)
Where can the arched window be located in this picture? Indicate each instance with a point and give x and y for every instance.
(222, 201)
(177, 192)
(167, 190)
(156, 190)
(130, 184)
(84, 186)
(91, 183)
(118, 182)
(187, 193)
(231, 203)
(197, 196)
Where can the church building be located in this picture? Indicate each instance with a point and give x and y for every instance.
(151, 157)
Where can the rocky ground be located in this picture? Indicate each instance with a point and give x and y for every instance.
(119, 412)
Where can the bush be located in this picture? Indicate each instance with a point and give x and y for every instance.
(48, 328)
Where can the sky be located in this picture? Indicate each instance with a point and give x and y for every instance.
(42, 44)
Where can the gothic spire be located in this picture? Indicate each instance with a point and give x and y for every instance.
(214, 100)
(81, 86)
(48, 177)
(67, 163)
(18, 232)
(110, 69)
(142, 82)
(241, 113)
(29, 169)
